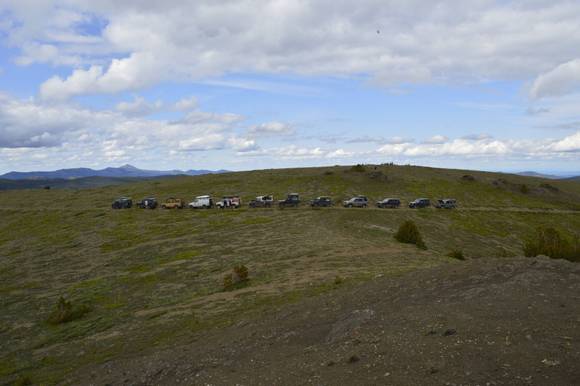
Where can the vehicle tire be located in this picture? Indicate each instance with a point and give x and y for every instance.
(349, 206)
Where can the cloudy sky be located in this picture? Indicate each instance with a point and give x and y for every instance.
(248, 84)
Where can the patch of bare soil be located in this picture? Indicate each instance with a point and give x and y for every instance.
(481, 322)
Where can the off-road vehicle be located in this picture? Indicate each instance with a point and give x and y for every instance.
(147, 203)
(446, 203)
(420, 203)
(172, 203)
(122, 203)
(356, 202)
(322, 201)
(201, 202)
(389, 203)
(262, 202)
(292, 200)
(233, 202)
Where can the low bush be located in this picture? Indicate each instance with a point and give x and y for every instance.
(524, 189)
(358, 168)
(238, 278)
(468, 177)
(65, 312)
(456, 254)
(549, 242)
(328, 173)
(408, 233)
(549, 187)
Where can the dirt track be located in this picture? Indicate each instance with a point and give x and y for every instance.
(462, 209)
(480, 322)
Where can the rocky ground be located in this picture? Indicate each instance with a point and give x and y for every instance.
(479, 322)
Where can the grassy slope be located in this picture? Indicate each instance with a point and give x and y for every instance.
(154, 277)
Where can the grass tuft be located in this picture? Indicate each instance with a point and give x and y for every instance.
(549, 242)
(456, 254)
(65, 312)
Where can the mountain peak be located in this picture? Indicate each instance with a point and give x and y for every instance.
(128, 167)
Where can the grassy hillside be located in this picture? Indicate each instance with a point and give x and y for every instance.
(155, 278)
(73, 183)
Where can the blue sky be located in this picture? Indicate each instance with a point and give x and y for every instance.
(491, 85)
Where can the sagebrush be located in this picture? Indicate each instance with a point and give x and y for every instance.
(408, 233)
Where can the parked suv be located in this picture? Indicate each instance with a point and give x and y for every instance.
(446, 203)
(147, 203)
(233, 202)
(357, 202)
(122, 203)
(389, 203)
(201, 202)
(172, 203)
(292, 200)
(420, 203)
(322, 201)
(262, 202)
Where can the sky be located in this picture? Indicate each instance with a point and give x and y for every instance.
(249, 84)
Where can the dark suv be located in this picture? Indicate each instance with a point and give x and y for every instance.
(389, 203)
(122, 203)
(420, 203)
(147, 203)
(322, 201)
(293, 200)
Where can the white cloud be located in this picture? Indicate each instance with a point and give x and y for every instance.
(437, 139)
(570, 143)
(139, 106)
(561, 80)
(138, 70)
(419, 42)
(186, 104)
(271, 128)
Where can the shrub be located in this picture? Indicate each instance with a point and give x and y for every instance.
(65, 312)
(338, 280)
(549, 187)
(240, 273)
(228, 282)
(358, 168)
(409, 233)
(549, 242)
(468, 177)
(236, 279)
(456, 254)
(328, 173)
(524, 189)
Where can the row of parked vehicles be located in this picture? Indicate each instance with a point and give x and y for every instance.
(267, 201)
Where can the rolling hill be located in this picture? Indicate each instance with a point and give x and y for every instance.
(153, 280)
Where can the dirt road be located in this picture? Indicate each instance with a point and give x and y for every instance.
(481, 322)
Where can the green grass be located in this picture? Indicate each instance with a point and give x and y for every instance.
(155, 278)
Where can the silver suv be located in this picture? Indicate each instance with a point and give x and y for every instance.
(356, 202)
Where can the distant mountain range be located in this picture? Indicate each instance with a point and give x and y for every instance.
(124, 171)
(569, 176)
(539, 175)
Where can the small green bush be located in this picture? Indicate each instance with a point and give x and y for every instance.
(228, 282)
(524, 189)
(240, 273)
(408, 233)
(549, 242)
(65, 312)
(358, 168)
(456, 254)
(338, 280)
(238, 278)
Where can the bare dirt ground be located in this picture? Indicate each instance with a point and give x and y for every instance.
(480, 322)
